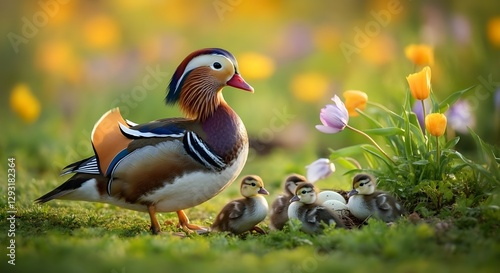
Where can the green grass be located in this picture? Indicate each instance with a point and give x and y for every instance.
(67, 236)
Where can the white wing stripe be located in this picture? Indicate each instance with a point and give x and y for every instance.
(192, 149)
(136, 133)
(214, 157)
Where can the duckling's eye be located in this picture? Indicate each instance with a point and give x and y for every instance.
(216, 65)
(253, 184)
(303, 192)
(361, 184)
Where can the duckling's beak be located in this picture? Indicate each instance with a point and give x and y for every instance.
(353, 192)
(263, 191)
(238, 82)
(294, 198)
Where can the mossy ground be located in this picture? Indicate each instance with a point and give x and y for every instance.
(66, 236)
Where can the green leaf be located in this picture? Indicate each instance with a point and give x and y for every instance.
(346, 152)
(388, 131)
(475, 167)
(421, 162)
(450, 144)
(348, 164)
(451, 99)
(487, 154)
(370, 119)
(407, 136)
(375, 152)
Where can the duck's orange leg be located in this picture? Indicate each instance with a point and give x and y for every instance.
(188, 227)
(155, 227)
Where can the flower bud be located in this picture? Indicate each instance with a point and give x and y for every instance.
(355, 99)
(435, 124)
(319, 169)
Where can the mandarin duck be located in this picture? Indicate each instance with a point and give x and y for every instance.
(241, 215)
(311, 214)
(279, 208)
(168, 164)
(365, 201)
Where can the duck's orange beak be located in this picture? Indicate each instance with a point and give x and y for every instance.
(238, 82)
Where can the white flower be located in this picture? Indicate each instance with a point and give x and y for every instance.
(319, 169)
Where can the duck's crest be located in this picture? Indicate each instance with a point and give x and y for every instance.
(179, 75)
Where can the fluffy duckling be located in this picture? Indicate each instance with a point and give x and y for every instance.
(365, 201)
(304, 207)
(244, 214)
(279, 208)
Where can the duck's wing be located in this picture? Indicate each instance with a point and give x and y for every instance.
(231, 211)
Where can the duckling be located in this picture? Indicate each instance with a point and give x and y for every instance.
(304, 207)
(365, 201)
(241, 215)
(279, 208)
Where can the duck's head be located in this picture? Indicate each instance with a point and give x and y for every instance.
(198, 80)
(252, 185)
(305, 193)
(363, 184)
(291, 182)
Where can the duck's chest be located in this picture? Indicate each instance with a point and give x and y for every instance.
(258, 209)
(359, 207)
(255, 212)
(225, 134)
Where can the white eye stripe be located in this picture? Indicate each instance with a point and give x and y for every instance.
(203, 60)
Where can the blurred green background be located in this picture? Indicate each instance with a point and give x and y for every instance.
(70, 61)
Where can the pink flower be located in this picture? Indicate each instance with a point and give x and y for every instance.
(333, 117)
(319, 169)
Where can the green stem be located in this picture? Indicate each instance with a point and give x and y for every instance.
(373, 141)
(423, 109)
(423, 128)
(438, 156)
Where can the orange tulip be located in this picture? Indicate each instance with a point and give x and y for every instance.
(420, 54)
(355, 99)
(420, 83)
(435, 124)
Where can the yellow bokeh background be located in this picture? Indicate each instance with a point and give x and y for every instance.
(80, 58)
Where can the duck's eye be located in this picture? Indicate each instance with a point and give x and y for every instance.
(217, 65)
(253, 184)
(304, 192)
(362, 184)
